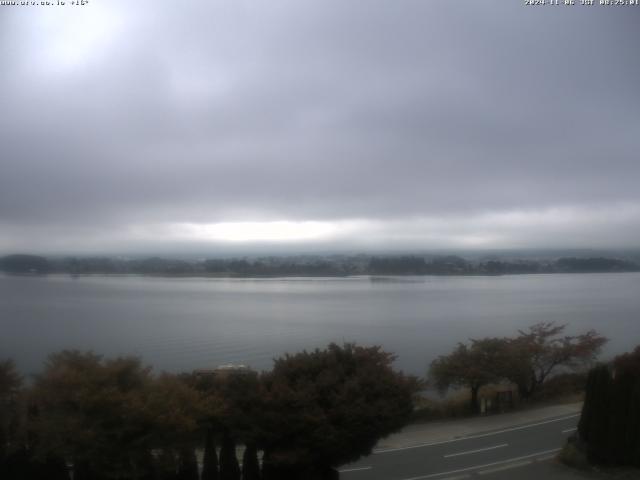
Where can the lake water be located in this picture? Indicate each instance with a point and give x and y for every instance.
(181, 324)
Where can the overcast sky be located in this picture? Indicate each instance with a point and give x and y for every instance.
(127, 125)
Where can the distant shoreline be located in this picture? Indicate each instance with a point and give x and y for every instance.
(374, 278)
(314, 266)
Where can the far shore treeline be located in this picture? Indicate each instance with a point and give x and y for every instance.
(314, 265)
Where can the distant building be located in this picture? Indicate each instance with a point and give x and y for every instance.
(223, 371)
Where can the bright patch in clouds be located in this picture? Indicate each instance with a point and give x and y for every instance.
(561, 226)
(565, 227)
(281, 231)
(69, 37)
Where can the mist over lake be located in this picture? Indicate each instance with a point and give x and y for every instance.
(182, 324)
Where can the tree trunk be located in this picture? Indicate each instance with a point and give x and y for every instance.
(475, 408)
(524, 392)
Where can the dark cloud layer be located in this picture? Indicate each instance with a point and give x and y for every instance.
(415, 123)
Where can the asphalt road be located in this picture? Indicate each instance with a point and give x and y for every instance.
(488, 455)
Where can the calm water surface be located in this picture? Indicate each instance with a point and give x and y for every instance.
(180, 324)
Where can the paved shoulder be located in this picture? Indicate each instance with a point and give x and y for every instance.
(452, 429)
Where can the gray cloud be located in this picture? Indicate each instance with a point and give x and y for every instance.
(127, 116)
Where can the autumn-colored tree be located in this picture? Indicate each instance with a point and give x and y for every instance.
(90, 413)
(10, 384)
(107, 416)
(172, 410)
(535, 354)
(233, 405)
(527, 360)
(16, 455)
(471, 366)
(240, 404)
(328, 407)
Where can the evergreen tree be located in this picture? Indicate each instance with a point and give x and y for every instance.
(147, 467)
(618, 446)
(588, 407)
(210, 459)
(82, 471)
(625, 415)
(597, 427)
(10, 386)
(55, 468)
(229, 468)
(250, 465)
(16, 466)
(167, 467)
(610, 420)
(634, 425)
(267, 470)
(187, 464)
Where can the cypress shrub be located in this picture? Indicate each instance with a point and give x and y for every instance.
(229, 468)
(588, 408)
(187, 465)
(634, 425)
(267, 467)
(19, 466)
(625, 433)
(55, 468)
(610, 420)
(210, 459)
(82, 471)
(167, 467)
(596, 425)
(617, 443)
(147, 467)
(250, 464)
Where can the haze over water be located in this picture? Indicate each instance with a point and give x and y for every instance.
(182, 324)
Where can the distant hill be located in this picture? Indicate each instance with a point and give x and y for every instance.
(21, 263)
(599, 264)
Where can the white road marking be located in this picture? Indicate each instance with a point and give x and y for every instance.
(468, 452)
(354, 469)
(479, 467)
(545, 458)
(504, 467)
(471, 437)
(570, 430)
